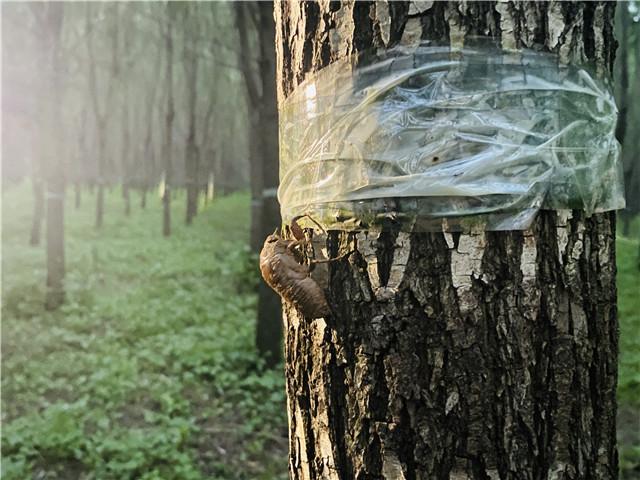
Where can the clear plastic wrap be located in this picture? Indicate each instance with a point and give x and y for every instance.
(433, 137)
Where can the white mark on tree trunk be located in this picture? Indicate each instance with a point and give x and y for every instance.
(558, 471)
(456, 32)
(341, 36)
(418, 6)
(367, 248)
(493, 474)
(384, 20)
(528, 257)
(412, 32)
(299, 20)
(598, 37)
(466, 262)
(449, 239)
(528, 267)
(562, 225)
(555, 24)
(401, 250)
(452, 401)
(531, 22)
(322, 428)
(302, 461)
(503, 7)
(391, 467)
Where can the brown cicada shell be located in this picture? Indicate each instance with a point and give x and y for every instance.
(290, 279)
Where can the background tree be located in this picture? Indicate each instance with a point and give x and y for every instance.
(479, 355)
(102, 113)
(191, 31)
(167, 152)
(51, 20)
(628, 87)
(257, 59)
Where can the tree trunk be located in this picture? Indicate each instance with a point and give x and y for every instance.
(126, 156)
(101, 117)
(468, 356)
(245, 13)
(210, 187)
(168, 140)
(624, 18)
(100, 203)
(268, 326)
(628, 130)
(191, 70)
(78, 194)
(38, 210)
(143, 197)
(53, 134)
(126, 160)
(148, 164)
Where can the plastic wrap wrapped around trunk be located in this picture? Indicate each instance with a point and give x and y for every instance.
(435, 138)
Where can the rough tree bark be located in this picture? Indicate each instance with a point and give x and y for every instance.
(469, 356)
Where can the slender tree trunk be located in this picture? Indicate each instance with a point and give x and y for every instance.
(102, 158)
(126, 168)
(78, 194)
(472, 356)
(192, 184)
(210, 186)
(623, 53)
(100, 204)
(38, 210)
(126, 157)
(54, 163)
(256, 180)
(269, 325)
(191, 68)
(244, 13)
(126, 162)
(168, 140)
(81, 168)
(101, 117)
(148, 162)
(628, 130)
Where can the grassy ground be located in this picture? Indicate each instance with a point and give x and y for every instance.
(149, 370)
(629, 373)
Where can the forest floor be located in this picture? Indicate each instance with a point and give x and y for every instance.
(149, 370)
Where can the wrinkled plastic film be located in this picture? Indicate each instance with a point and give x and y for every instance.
(435, 137)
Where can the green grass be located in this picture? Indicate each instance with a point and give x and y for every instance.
(628, 262)
(149, 370)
